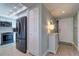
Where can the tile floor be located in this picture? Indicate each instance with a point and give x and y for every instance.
(64, 50)
(10, 50)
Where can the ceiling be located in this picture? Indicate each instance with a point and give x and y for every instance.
(62, 10)
(12, 9)
(58, 10)
(9, 9)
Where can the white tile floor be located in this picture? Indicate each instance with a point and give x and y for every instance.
(10, 50)
(64, 50)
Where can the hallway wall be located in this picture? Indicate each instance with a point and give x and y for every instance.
(44, 34)
(45, 16)
(78, 29)
(75, 29)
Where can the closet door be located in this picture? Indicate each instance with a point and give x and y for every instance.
(34, 31)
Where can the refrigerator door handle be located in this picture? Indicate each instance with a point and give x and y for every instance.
(19, 29)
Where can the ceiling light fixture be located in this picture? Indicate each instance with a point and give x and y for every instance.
(63, 11)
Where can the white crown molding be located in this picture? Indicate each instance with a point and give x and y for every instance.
(20, 10)
(11, 17)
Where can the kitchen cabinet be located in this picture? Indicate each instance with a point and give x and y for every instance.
(53, 42)
(5, 24)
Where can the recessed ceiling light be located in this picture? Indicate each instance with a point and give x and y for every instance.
(63, 11)
(14, 7)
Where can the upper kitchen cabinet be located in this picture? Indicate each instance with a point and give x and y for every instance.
(4, 22)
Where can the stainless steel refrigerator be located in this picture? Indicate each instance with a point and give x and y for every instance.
(21, 34)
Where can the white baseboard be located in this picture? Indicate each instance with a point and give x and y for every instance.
(66, 42)
(50, 51)
(45, 53)
(76, 47)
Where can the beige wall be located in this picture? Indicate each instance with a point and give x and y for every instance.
(75, 29)
(45, 16)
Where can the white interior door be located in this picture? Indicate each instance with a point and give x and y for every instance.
(34, 31)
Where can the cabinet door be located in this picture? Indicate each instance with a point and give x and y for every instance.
(34, 31)
(52, 43)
